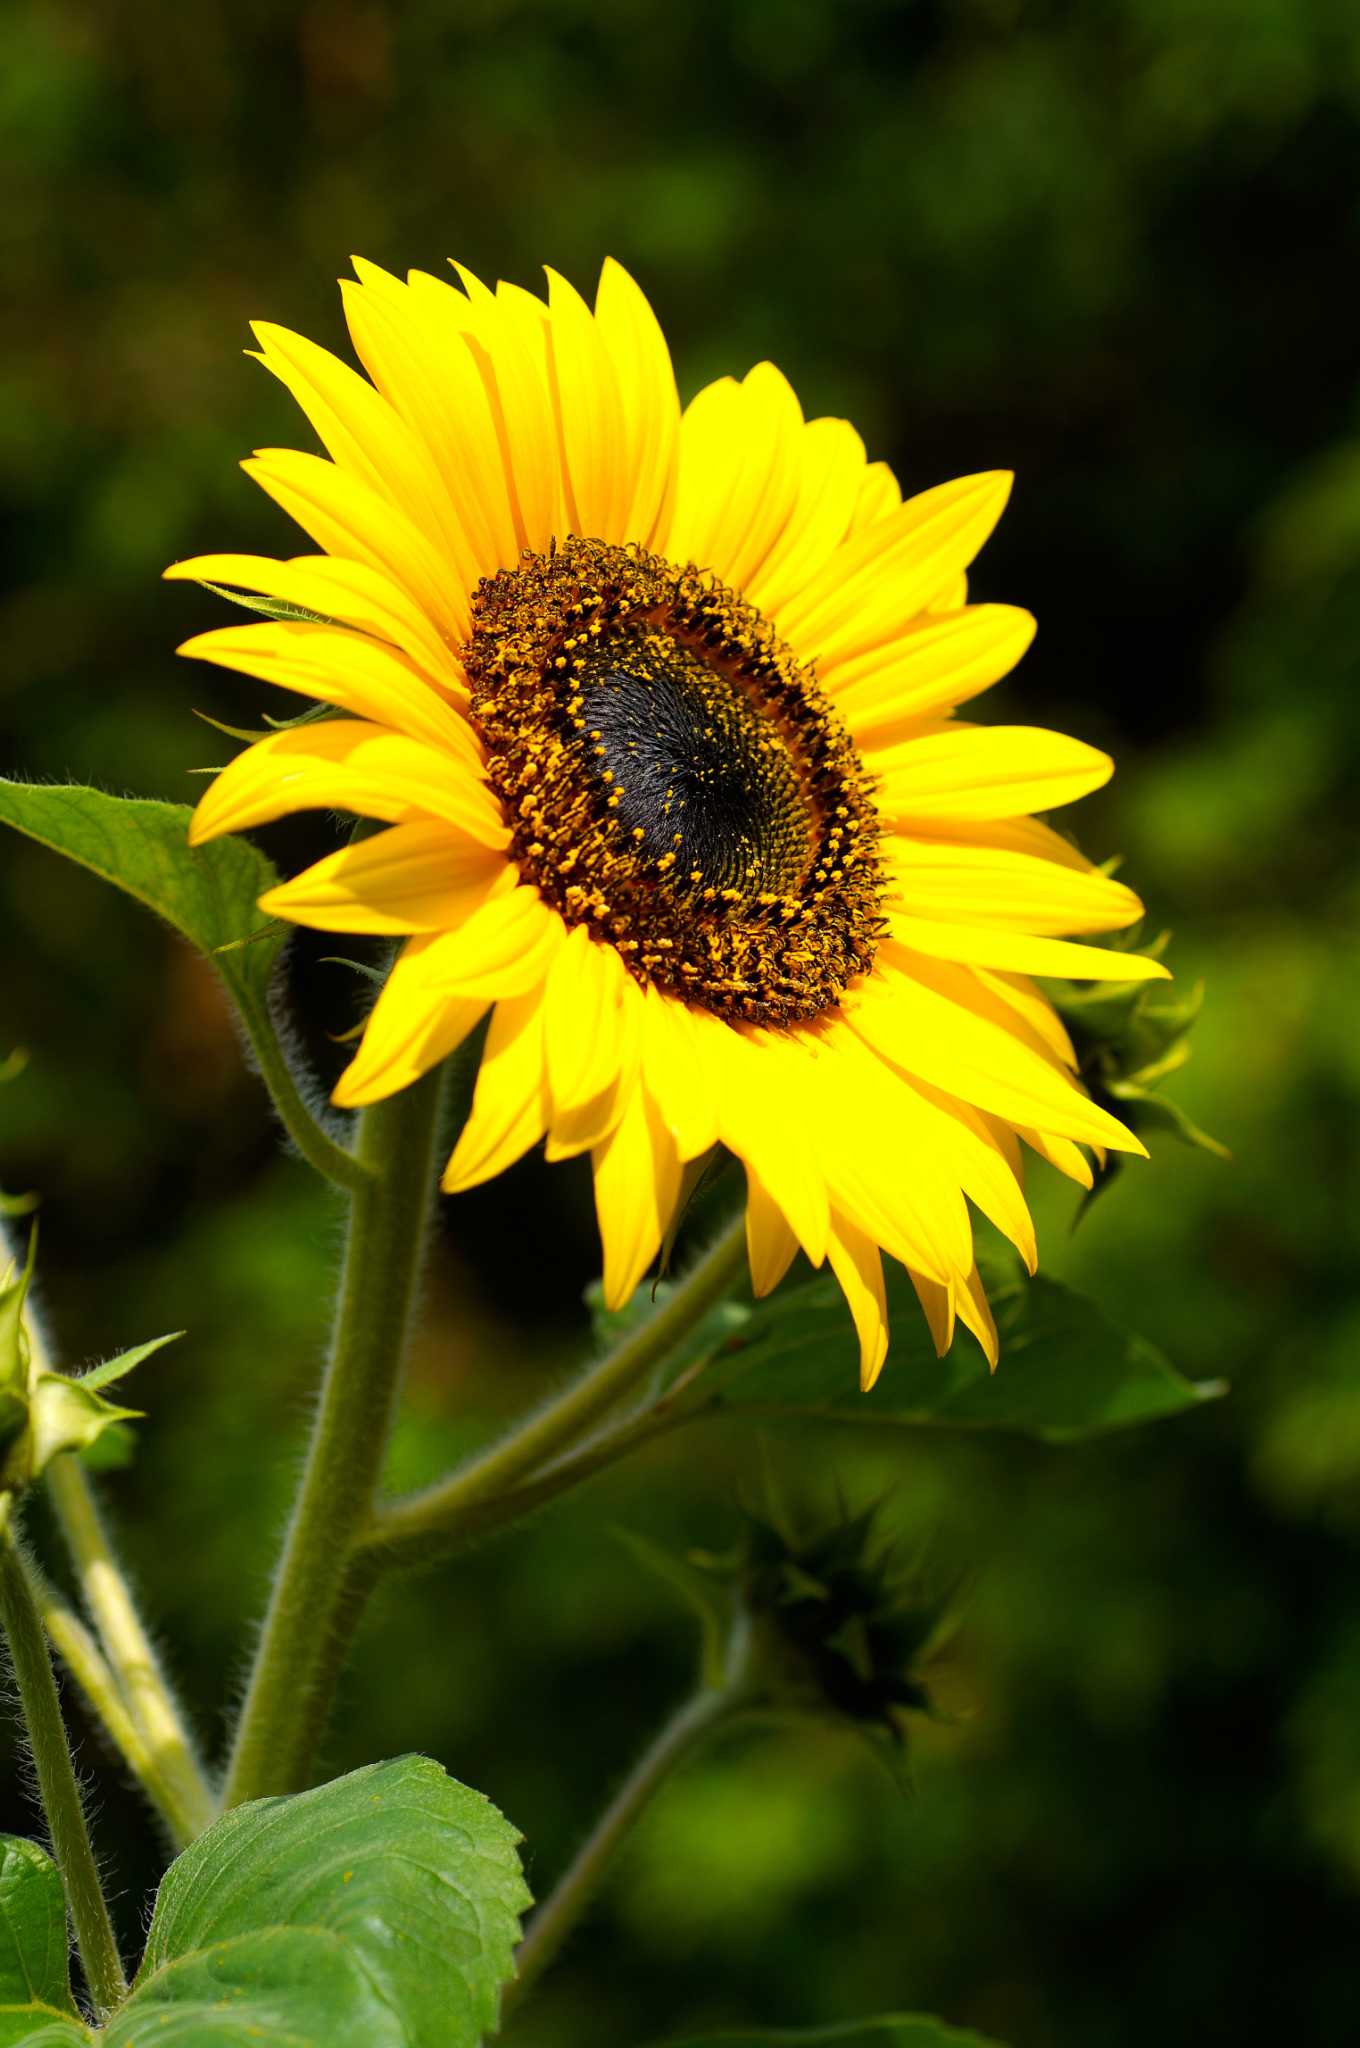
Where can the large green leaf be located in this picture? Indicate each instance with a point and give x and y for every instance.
(208, 892)
(1066, 1371)
(905, 2030)
(35, 1988)
(377, 1912)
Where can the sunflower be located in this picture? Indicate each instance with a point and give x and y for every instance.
(658, 708)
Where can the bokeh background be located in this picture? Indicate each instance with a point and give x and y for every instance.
(1109, 247)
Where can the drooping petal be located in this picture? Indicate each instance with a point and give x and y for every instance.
(854, 1259)
(677, 1077)
(504, 949)
(771, 1246)
(637, 1185)
(927, 1019)
(411, 1029)
(510, 1103)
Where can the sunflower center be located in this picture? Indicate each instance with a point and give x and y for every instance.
(675, 780)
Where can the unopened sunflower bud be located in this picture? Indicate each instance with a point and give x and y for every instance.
(45, 1413)
(836, 1626)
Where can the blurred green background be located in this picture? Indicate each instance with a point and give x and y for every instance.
(1108, 246)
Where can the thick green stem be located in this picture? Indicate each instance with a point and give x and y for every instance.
(687, 1730)
(428, 1524)
(57, 1782)
(388, 1226)
(177, 1782)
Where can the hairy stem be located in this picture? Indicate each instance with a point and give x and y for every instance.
(57, 1782)
(178, 1783)
(687, 1730)
(346, 1169)
(86, 1663)
(388, 1225)
(429, 1523)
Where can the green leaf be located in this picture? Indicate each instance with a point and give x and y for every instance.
(905, 2030)
(208, 893)
(1066, 1371)
(35, 1987)
(377, 1912)
(115, 1368)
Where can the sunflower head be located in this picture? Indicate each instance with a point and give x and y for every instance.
(658, 707)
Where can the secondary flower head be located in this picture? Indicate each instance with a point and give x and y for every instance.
(658, 707)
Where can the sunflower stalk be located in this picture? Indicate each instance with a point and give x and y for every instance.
(689, 1729)
(538, 1460)
(388, 1226)
(55, 1773)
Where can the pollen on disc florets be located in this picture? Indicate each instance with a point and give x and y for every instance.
(675, 780)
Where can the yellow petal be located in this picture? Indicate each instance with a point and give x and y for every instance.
(350, 519)
(510, 1104)
(879, 494)
(343, 764)
(507, 334)
(589, 413)
(975, 1313)
(996, 771)
(412, 878)
(893, 1168)
(1007, 835)
(855, 1261)
(411, 1029)
(1060, 1152)
(367, 438)
(647, 394)
(422, 364)
(877, 581)
(829, 466)
(1034, 1009)
(937, 1305)
(505, 949)
(754, 1076)
(770, 1245)
(583, 1019)
(938, 664)
(637, 1185)
(344, 669)
(983, 885)
(929, 1020)
(589, 1121)
(982, 946)
(676, 1076)
(738, 477)
(352, 593)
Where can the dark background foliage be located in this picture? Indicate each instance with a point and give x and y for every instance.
(1107, 246)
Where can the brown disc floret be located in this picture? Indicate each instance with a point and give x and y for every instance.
(675, 779)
